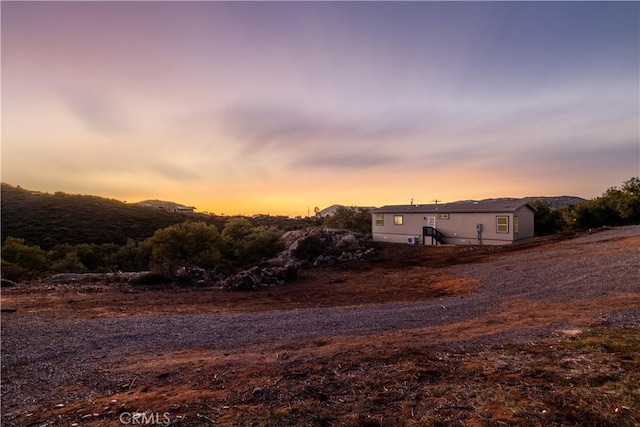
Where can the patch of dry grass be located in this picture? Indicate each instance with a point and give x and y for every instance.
(592, 378)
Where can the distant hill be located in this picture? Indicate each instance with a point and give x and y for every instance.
(331, 210)
(553, 201)
(49, 219)
(167, 206)
(559, 201)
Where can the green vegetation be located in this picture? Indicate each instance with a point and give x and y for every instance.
(547, 220)
(47, 220)
(354, 219)
(20, 260)
(189, 244)
(617, 206)
(44, 233)
(53, 233)
(247, 244)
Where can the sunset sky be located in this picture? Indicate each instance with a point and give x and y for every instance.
(263, 107)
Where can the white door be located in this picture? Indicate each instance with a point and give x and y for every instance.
(431, 221)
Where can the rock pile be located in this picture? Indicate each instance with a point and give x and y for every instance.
(256, 277)
(344, 257)
(313, 246)
(307, 245)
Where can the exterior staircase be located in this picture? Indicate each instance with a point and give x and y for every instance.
(434, 234)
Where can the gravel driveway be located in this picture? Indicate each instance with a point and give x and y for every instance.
(60, 353)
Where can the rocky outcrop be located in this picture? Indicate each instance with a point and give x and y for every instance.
(256, 277)
(310, 247)
(307, 245)
(343, 257)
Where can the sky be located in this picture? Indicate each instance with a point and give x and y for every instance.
(280, 107)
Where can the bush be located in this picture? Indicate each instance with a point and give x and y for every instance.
(21, 261)
(547, 220)
(617, 206)
(353, 219)
(14, 272)
(133, 256)
(189, 244)
(96, 257)
(247, 244)
(70, 263)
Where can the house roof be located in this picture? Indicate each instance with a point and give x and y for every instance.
(467, 206)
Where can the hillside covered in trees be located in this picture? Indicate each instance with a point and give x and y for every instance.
(47, 220)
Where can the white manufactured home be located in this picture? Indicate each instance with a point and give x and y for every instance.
(487, 222)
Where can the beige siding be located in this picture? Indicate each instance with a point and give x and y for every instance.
(526, 231)
(392, 233)
(459, 229)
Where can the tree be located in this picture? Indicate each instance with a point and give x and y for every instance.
(21, 261)
(617, 206)
(96, 257)
(133, 256)
(189, 244)
(247, 244)
(547, 220)
(625, 201)
(70, 263)
(354, 219)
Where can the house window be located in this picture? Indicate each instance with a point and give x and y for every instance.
(515, 225)
(379, 219)
(398, 219)
(443, 216)
(502, 224)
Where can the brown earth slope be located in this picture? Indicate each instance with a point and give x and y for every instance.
(539, 334)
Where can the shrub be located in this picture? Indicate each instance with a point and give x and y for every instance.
(189, 244)
(70, 263)
(133, 256)
(547, 220)
(21, 261)
(353, 219)
(248, 244)
(617, 206)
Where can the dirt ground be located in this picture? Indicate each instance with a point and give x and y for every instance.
(544, 333)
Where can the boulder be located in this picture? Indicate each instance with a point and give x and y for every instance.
(256, 277)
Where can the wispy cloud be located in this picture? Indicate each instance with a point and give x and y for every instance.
(97, 111)
(262, 126)
(317, 140)
(351, 160)
(174, 172)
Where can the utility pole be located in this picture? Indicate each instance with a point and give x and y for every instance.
(436, 201)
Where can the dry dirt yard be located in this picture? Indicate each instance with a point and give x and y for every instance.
(546, 333)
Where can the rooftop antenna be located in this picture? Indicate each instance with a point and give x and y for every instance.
(436, 201)
(412, 201)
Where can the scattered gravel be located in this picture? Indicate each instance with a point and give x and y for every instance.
(40, 358)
